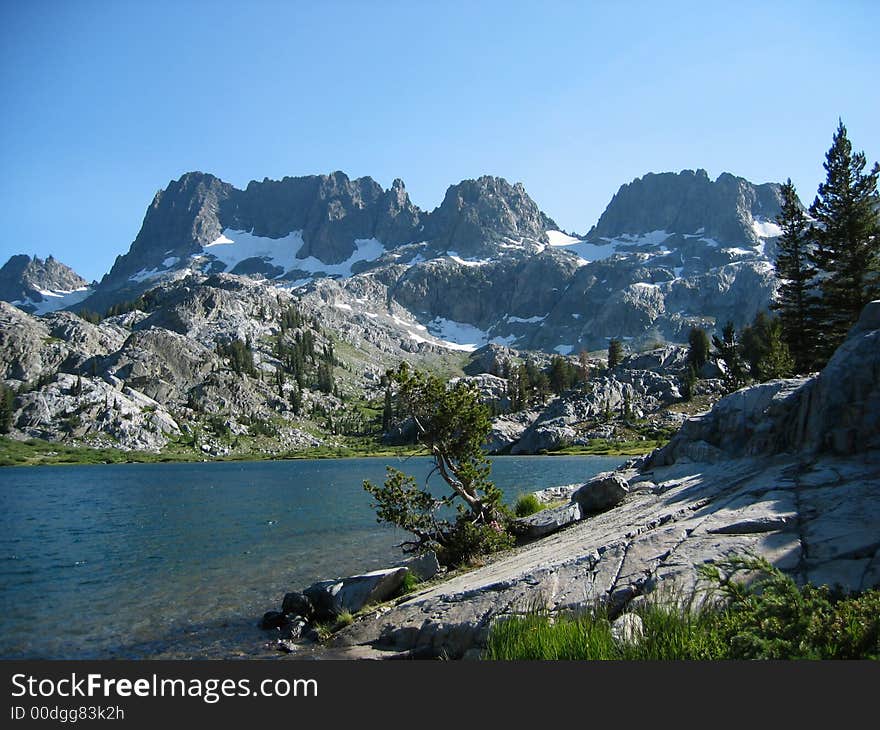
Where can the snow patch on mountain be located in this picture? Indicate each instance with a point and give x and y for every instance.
(624, 244)
(766, 229)
(741, 251)
(232, 247)
(54, 299)
(530, 320)
(457, 335)
(467, 262)
(589, 252)
(145, 274)
(558, 238)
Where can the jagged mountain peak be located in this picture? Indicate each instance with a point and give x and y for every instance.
(39, 285)
(689, 202)
(300, 227)
(485, 266)
(477, 214)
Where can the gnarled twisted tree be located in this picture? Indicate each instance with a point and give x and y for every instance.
(453, 425)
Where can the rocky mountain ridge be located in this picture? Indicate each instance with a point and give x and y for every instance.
(163, 375)
(671, 251)
(40, 286)
(730, 210)
(301, 226)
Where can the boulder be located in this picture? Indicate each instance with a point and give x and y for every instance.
(666, 360)
(492, 389)
(547, 521)
(840, 412)
(295, 628)
(297, 604)
(627, 628)
(602, 492)
(507, 430)
(332, 597)
(423, 567)
(561, 493)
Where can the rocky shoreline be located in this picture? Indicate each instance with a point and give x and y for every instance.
(788, 470)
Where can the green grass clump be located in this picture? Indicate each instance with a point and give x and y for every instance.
(668, 634)
(769, 618)
(527, 504)
(536, 636)
(326, 629)
(410, 583)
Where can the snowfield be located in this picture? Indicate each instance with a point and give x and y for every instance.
(589, 252)
(233, 247)
(765, 229)
(55, 299)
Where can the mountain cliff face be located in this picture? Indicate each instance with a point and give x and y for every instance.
(382, 281)
(730, 210)
(478, 216)
(40, 286)
(306, 227)
(486, 266)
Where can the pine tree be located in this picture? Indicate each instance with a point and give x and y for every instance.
(296, 400)
(688, 380)
(847, 236)
(796, 300)
(453, 425)
(615, 353)
(561, 375)
(753, 343)
(7, 408)
(584, 365)
(387, 411)
(777, 361)
(728, 352)
(698, 348)
(626, 407)
(325, 380)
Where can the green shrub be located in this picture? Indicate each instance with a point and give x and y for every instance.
(468, 541)
(527, 504)
(773, 618)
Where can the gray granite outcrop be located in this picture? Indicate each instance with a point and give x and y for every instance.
(788, 470)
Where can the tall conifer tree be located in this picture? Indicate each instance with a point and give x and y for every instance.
(847, 236)
(795, 302)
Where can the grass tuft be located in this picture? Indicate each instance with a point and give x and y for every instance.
(527, 504)
(770, 617)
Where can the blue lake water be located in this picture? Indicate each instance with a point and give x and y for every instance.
(181, 560)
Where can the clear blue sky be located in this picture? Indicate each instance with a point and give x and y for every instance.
(104, 102)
